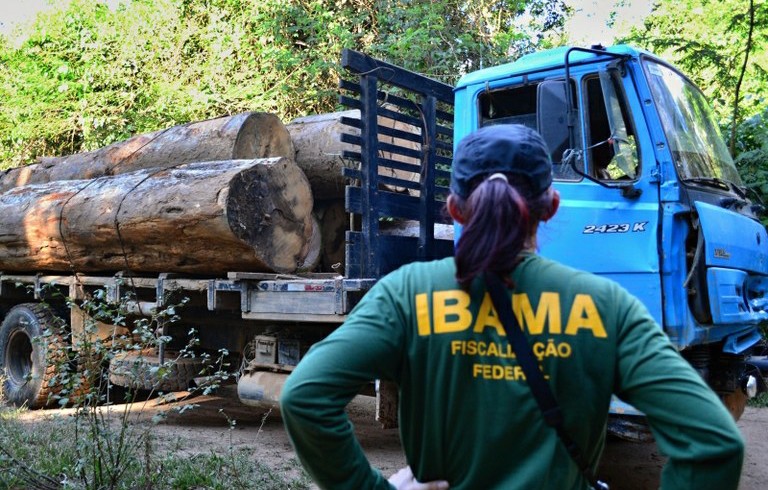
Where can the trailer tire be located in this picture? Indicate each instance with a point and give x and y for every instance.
(140, 370)
(28, 367)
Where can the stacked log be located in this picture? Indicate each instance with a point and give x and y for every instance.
(319, 151)
(242, 136)
(238, 193)
(206, 218)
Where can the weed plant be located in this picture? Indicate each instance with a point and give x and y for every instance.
(40, 455)
(98, 445)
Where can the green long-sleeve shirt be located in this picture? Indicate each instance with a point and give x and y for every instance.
(466, 413)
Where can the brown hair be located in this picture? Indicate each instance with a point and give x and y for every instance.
(498, 221)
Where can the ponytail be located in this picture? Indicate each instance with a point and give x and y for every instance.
(498, 223)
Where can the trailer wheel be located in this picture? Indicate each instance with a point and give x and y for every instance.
(29, 367)
(735, 402)
(142, 371)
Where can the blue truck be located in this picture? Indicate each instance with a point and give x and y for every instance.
(650, 198)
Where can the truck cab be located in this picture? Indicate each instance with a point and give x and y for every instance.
(651, 197)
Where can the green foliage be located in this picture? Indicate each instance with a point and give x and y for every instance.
(448, 38)
(752, 159)
(88, 75)
(77, 81)
(752, 134)
(760, 401)
(708, 41)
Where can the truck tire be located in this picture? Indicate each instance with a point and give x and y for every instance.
(29, 367)
(140, 371)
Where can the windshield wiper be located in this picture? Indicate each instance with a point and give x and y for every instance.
(710, 181)
(756, 207)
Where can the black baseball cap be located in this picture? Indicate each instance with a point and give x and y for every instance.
(505, 148)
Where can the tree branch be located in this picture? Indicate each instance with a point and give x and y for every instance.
(747, 49)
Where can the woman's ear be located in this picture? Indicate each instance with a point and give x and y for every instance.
(553, 207)
(453, 210)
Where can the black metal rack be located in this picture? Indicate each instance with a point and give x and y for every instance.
(405, 136)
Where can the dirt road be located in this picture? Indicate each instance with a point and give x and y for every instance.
(207, 427)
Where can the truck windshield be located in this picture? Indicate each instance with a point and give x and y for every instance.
(694, 139)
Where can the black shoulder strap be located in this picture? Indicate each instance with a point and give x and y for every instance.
(545, 399)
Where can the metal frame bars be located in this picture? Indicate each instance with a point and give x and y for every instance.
(386, 153)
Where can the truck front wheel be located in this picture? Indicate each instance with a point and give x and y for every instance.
(28, 360)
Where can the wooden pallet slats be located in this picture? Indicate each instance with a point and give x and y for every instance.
(395, 249)
(395, 99)
(399, 150)
(400, 134)
(405, 167)
(395, 182)
(442, 160)
(442, 174)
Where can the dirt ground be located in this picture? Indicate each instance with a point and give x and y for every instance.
(208, 427)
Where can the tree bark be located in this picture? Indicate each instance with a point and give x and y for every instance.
(242, 136)
(204, 218)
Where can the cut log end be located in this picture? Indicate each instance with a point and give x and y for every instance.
(270, 207)
(262, 135)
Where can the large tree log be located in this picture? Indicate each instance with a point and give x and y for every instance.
(243, 136)
(314, 248)
(319, 150)
(334, 223)
(206, 218)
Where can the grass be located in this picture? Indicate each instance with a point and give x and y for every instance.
(760, 401)
(233, 470)
(42, 454)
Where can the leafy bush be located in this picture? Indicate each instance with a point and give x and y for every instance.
(752, 161)
(88, 75)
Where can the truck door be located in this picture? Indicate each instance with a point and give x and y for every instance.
(604, 169)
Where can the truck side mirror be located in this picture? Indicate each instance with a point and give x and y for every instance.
(552, 117)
